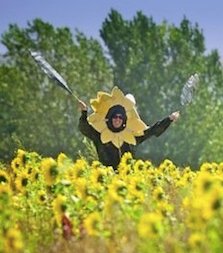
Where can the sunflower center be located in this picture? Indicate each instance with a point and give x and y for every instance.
(3, 179)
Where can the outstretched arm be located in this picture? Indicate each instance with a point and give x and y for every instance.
(159, 127)
(84, 127)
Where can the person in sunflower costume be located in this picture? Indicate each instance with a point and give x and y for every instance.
(115, 126)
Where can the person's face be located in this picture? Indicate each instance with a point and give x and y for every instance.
(117, 120)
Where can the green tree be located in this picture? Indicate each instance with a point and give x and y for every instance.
(37, 114)
(153, 61)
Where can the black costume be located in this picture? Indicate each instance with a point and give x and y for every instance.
(108, 154)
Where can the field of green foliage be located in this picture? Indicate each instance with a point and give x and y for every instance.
(59, 205)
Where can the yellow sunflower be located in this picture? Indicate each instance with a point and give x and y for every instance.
(13, 241)
(22, 181)
(42, 196)
(50, 170)
(92, 223)
(102, 107)
(150, 225)
(59, 206)
(196, 240)
(5, 189)
(4, 178)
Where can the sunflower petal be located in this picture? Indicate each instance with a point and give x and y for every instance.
(94, 117)
(128, 104)
(103, 95)
(117, 140)
(117, 96)
(95, 104)
(136, 125)
(97, 122)
(107, 136)
(101, 106)
(117, 93)
(140, 133)
(128, 137)
(120, 98)
(132, 113)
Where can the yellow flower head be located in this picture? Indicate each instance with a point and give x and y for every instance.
(59, 207)
(196, 240)
(63, 161)
(99, 176)
(76, 170)
(13, 241)
(16, 164)
(104, 106)
(126, 164)
(139, 166)
(4, 178)
(136, 188)
(118, 187)
(59, 204)
(150, 225)
(5, 192)
(81, 187)
(92, 224)
(164, 208)
(167, 167)
(42, 197)
(204, 182)
(50, 170)
(127, 158)
(22, 181)
(209, 167)
(21, 153)
(159, 194)
(19, 161)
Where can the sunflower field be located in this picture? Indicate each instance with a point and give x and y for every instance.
(59, 205)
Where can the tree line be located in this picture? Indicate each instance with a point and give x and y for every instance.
(152, 61)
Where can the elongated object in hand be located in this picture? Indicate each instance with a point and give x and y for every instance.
(51, 72)
(187, 93)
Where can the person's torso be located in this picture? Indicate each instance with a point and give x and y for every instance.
(109, 155)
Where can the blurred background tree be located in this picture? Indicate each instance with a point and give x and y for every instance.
(151, 61)
(36, 114)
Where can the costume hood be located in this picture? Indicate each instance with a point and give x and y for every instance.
(116, 109)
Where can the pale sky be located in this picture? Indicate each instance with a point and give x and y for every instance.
(88, 15)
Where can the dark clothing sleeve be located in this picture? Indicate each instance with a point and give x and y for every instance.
(157, 129)
(86, 129)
